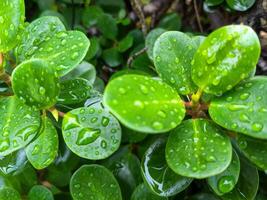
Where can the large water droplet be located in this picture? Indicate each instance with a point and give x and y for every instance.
(42, 90)
(226, 184)
(157, 125)
(257, 127)
(244, 96)
(139, 104)
(87, 136)
(4, 145)
(162, 114)
(243, 144)
(103, 144)
(105, 121)
(143, 89)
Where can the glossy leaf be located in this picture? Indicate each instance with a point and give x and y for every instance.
(39, 192)
(112, 57)
(247, 186)
(144, 104)
(15, 133)
(151, 39)
(125, 43)
(243, 109)
(240, 5)
(43, 150)
(91, 132)
(8, 193)
(11, 21)
(94, 182)
(173, 52)
(39, 31)
(74, 91)
(36, 83)
(156, 173)
(254, 149)
(197, 148)
(226, 57)
(143, 193)
(226, 181)
(171, 22)
(213, 2)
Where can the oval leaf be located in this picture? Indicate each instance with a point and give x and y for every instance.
(8, 193)
(91, 132)
(36, 83)
(18, 125)
(11, 21)
(226, 57)
(173, 52)
(198, 149)
(156, 173)
(151, 39)
(226, 181)
(42, 151)
(243, 109)
(39, 192)
(144, 104)
(240, 5)
(94, 182)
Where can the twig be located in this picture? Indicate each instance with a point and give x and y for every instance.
(137, 7)
(131, 58)
(197, 15)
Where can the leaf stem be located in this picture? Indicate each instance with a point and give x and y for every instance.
(196, 96)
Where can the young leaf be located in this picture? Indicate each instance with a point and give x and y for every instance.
(91, 132)
(12, 16)
(39, 192)
(247, 186)
(36, 83)
(8, 193)
(198, 149)
(141, 192)
(144, 104)
(173, 52)
(243, 109)
(39, 31)
(74, 91)
(240, 5)
(151, 39)
(226, 181)
(226, 57)
(43, 150)
(94, 182)
(19, 124)
(156, 173)
(254, 149)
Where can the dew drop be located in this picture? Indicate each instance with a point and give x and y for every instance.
(257, 127)
(162, 114)
(87, 136)
(103, 144)
(243, 144)
(226, 184)
(139, 104)
(122, 90)
(143, 89)
(244, 96)
(42, 90)
(105, 121)
(157, 125)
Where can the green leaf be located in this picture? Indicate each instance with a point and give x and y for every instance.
(243, 109)
(247, 186)
(94, 49)
(39, 192)
(254, 149)
(94, 182)
(198, 149)
(143, 193)
(213, 2)
(18, 125)
(91, 132)
(156, 173)
(204, 196)
(131, 136)
(151, 39)
(107, 26)
(125, 43)
(112, 57)
(240, 5)
(8, 193)
(226, 181)
(173, 52)
(74, 91)
(39, 31)
(144, 104)
(36, 83)
(227, 56)
(171, 22)
(43, 150)
(90, 16)
(198, 40)
(12, 16)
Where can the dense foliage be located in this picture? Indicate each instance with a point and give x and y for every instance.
(184, 117)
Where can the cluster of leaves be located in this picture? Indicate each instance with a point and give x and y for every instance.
(190, 109)
(231, 5)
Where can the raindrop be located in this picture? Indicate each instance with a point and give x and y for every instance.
(122, 90)
(103, 144)
(243, 144)
(226, 184)
(244, 96)
(257, 127)
(139, 104)
(162, 114)
(74, 55)
(143, 89)
(42, 90)
(87, 136)
(105, 121)
(157, 125)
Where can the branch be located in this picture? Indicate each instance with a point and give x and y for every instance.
(137, 7)
(131, 58)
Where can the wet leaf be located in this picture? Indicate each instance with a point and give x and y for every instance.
(94, 182)
(43, 150)
(8, 193)
(39, 192)
(227, 56)
(156, 173)
(36, 83)
(243, 109)
(91, 132)
(240, 5)
(14, 133)
(226, 181)
(141, 192)
(12, 16)
(173, 52)
(144, 104)
(197, 148)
